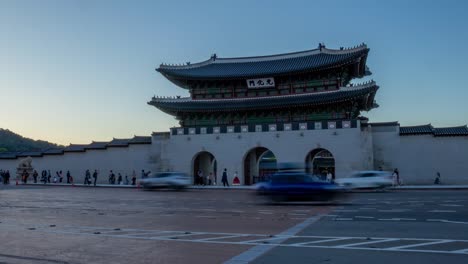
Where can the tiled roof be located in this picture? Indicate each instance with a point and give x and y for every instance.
(30, 154)
(8, 155)
(119, 142)
(53, 151)
(380, 124)
(79, 147)
(435, 131)
(219, 68)
(97, 145)
(451, 131)
(416, 130)
(75, 148)
(140, 140)
(175, 105)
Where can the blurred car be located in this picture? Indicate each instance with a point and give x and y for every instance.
(367, 179)
(298, 186)
(174, 180)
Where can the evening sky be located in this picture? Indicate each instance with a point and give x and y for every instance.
(76, 71)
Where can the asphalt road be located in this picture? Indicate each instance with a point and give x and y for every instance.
(394, 227)
(104, 225)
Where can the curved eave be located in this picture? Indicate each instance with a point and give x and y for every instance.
(364, 94)
(225, 69)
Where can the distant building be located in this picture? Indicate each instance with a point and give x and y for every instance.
(253, 114)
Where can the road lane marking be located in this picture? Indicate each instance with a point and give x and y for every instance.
(364, 217)
(369, 242)
(465, 250)
(421, 244)
(406, 244)
(320, 241)
(255, 252)
(442, 211)
(343, 219)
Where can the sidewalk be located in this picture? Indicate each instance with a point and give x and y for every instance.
(248, 187)
(430, 187)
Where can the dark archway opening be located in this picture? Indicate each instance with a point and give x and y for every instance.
(320, 162)
(259, 164)
(204, 169)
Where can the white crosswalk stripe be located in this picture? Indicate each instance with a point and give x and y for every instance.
(421, 245)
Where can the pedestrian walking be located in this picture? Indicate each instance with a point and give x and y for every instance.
(35, 174)
(126, 180)
(134, 179)
(95, 175)
(7, 175)
(119, 180)
(44, 176)
(224, 178)
(49, 176)
(329, 177)
(25, 176)
(398, 176)
(110, 177)
(87, 176)
(437, 179)
(210, 178)
(68, 177)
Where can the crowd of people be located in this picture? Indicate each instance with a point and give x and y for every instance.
(5, 176)
(89, 178)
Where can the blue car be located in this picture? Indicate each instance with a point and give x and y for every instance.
(298, 186)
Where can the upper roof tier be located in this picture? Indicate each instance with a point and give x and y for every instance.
(262, 66)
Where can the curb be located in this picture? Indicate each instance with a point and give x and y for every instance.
(247, 188)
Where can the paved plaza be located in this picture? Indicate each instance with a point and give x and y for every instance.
(55, 224)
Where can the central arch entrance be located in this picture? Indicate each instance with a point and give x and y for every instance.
(259, 164)
(204, 164)
(320, 162)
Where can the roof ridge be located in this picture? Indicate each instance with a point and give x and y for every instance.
(214, 59)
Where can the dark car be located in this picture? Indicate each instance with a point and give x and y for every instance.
(298, 186)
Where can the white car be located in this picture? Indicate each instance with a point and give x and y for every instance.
(174, 180)
(367, 179)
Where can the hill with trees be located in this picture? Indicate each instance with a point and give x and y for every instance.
(12, 142)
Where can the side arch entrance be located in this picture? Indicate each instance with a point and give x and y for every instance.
(259, 163)
(204, 165)
(320, 162)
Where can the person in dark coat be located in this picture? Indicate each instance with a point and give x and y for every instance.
(437, 179)
(87, 177)
(95, 174)
(119, 179)
(68, 177)
(35, 174)
(224, 178)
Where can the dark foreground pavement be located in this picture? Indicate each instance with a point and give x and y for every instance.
(113, 225)
(394, 227)
(50, 224)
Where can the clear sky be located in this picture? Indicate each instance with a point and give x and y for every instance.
(76, 71)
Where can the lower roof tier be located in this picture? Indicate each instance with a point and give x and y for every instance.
(362, 94)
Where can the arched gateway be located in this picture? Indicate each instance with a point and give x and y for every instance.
(203, 163)
(259, 163)
(320, 162)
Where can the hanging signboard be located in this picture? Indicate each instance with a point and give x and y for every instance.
(261, 83)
